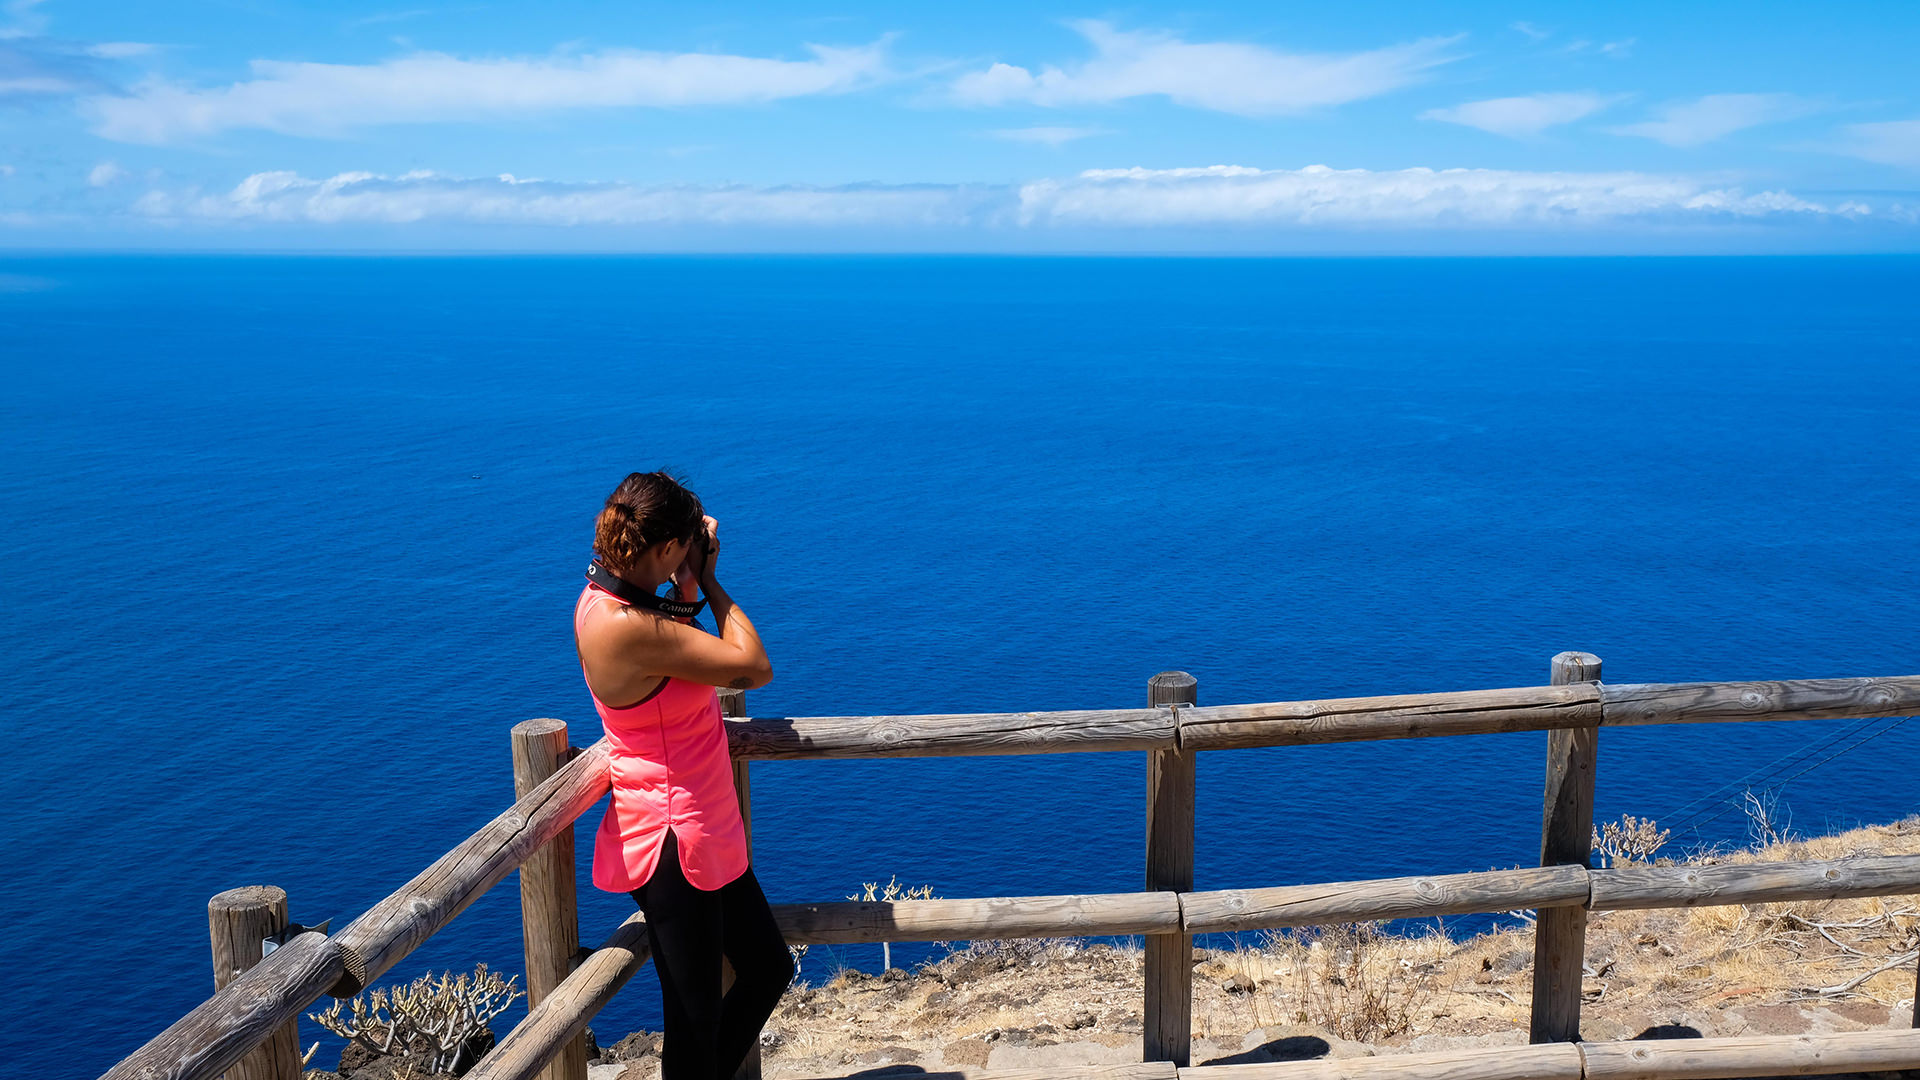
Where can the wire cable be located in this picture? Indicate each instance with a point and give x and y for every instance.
(1732, 806)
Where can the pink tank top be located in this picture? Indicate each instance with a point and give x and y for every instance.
(670, 769)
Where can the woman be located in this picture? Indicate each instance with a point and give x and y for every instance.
(672, 837)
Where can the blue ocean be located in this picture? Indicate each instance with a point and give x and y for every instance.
(289, 545)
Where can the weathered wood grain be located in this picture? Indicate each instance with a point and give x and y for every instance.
(846, 921)
(1384, 898)
(767, 738)
(1132, 1070)
(562, 1017)
(242, 1015)
(1566, 839)
(1404, 716)
(1724, 702)
(239, 921)
(1774, 1055)
(1167, 1028)
(733, 706)
(1634, 887)
(549, 915)
(1554, 1061)
(398, 924)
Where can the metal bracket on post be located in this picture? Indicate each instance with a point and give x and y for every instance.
(293, 930)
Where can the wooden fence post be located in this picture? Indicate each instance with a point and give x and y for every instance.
(239, 922)
(733, 703)
(1566, 839)
(1167, 1032)
(549, 917)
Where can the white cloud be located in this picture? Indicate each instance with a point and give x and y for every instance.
(1051, 136)
(425, 196)
(1225, 76)
(1533, 32)
(1519, 117)
(6, 170)
(26, 21)
(39, 67)
(1893, 142)
(120, 50)
(105, 173)
(329, 99)
(1414, 198)
(1715, 116)
(1313, 198)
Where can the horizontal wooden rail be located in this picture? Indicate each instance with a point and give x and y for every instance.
(1404, 716)
(1225, 910)
(1753, 883)
(399, 924)
(564, 1012)
(1641, 1059)
(1388, 898)
(1298, 723)
(1727, 702)
(1551, 1061)
(844, 922)
(1779, 1055)
(773, 738)
(245, 1013)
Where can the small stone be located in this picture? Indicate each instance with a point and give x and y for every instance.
(1237, 983)
(638, 1045)
(1079, 1020)
(965, 1052)
(887, 1055)
(892, 974)
(939, 997)
(1202, 955)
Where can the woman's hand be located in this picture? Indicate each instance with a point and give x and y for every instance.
(711, 547)
(693, 568)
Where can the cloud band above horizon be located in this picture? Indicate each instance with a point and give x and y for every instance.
(1311, 198)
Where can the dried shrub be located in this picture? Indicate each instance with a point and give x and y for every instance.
(874, 892)
(1348, 980)
(1630, 840)
(439, 1018)
(1768, 823)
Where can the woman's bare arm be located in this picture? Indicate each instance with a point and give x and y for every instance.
(631, 648)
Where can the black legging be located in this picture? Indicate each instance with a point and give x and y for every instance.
(688, 929)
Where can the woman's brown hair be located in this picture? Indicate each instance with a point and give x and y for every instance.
(646, 509)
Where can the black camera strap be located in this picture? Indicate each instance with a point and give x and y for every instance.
(640, 597)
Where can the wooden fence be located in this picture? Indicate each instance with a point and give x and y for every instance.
(246, 1025)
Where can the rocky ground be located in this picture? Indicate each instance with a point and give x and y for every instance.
(1772, 969)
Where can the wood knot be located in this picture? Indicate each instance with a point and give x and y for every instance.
(1235, 902)
(1427, 889)
(1752, 700)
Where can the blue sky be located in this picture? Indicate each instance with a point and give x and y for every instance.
(1362, 126)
